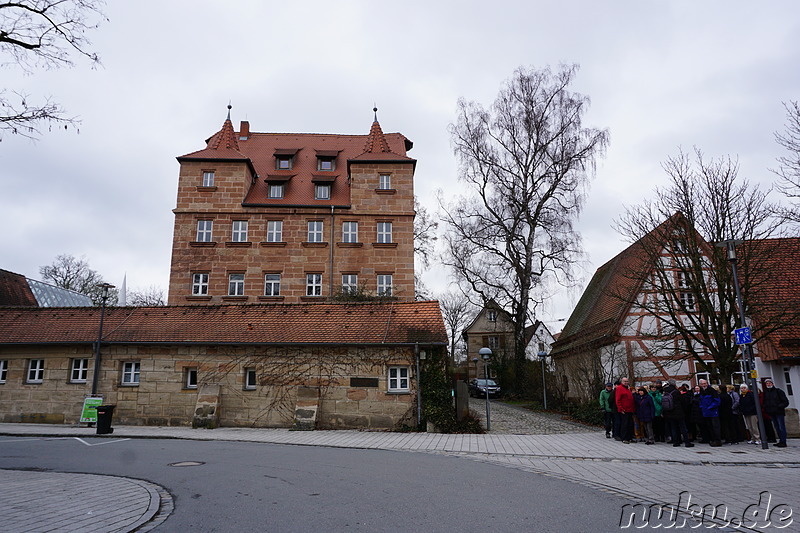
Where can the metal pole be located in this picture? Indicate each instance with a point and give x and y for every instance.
(544, 386)
(486, 384)
(747, 349)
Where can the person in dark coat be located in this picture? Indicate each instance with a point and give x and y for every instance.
(675, 418)
(709, 405)
(747, 406)
(699, 429)
(645, 412)
(775, 404)
(607, 405)
(727, 431)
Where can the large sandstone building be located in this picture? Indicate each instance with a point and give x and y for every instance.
(293, 217)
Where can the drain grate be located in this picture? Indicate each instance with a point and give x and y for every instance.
(187, 463)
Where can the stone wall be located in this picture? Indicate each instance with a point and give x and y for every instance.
(350, 383)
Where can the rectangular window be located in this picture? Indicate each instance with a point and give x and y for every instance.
(208, 178)
(35, 371)
(687, 300)
(276, 190)
(313, 284)
(249, 378)
(349, 231)
(272, 284)
(275, 231)
(385, 181)
(398, 379)
(190, 378)
(3, 371)
(130, 373)
(384, 285)
(491, 315)
(494, 342)
(787, 377)
(204, 228)
(315, 231)
(283, 162)
(199, 284)
(236, 285)
(80, 369)
(326, 163)
(384, 232)
(322, 192)
(239, 231)
(349, 283)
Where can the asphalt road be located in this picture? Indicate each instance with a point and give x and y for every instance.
(264, 487)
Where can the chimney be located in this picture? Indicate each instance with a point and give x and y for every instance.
(244, 130)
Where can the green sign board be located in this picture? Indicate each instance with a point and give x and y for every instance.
(89, 411)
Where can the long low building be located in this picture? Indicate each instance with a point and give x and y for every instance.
(323, 365)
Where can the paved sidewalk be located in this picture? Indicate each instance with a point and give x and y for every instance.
(730, 475)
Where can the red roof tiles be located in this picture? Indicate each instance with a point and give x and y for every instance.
(389, 323)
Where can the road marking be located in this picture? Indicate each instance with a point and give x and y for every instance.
(99, 443)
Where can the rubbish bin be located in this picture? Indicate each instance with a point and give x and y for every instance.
(104, 415)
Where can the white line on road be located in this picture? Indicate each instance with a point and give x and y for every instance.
(99, 443)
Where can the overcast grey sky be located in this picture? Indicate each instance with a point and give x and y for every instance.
(660, 75)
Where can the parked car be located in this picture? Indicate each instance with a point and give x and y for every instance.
(477, 388)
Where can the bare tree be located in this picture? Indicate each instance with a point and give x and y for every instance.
(74, 274)
(152, 296)
(789, 169)
(457, 312)
(686, 282)
(424, 233)
(525, 162)
(43, 34)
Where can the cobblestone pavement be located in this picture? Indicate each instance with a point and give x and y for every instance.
(512, 420)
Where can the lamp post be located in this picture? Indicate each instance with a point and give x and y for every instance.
(747, 349)
(96, 371)
(486, 354)
(543, 355)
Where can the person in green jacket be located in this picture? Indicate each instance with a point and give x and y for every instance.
(606, 404)
(658, 421)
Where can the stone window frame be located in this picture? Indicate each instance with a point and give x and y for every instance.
(205, 230)
(384, 284)
(493, 342)
(350, 231)
(3, 370)
(236, 286)
(272, 283)
(130, 373)
(250, 381)
(239, 230)
(396, 375)
(35, 372)
(384, 232)
(190, 377)
(384, 182)
(349, 283)
(79, 370)
(316, 231)
(200, 286)
(314, 284)
(274, 230)
(208, 178)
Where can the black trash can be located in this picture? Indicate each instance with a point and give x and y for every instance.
(104, 415)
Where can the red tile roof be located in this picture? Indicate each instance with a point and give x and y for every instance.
(14, 290)
(390, 323)
(259, 151)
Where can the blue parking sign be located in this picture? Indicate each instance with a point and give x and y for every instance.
(743, 336)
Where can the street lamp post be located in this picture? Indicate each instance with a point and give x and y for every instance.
(747, 349)
(543, 356)
(96, 371)
(485, 354)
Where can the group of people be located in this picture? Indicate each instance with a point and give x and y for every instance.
(665, 412)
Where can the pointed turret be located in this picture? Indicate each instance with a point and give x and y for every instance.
(226, 137)
(376, 142)
(222, 146)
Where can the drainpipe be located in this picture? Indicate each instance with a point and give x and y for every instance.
(331, 252)
(419, 386)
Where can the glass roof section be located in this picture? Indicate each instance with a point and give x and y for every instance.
(51, 296)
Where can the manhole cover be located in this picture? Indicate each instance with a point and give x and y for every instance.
(187, 463)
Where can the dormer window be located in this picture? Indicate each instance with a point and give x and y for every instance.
(326, 163)
(322, 192)
(283, 162)
(276, 190)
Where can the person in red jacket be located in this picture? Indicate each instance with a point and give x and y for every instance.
(625, 406)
